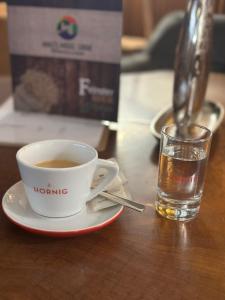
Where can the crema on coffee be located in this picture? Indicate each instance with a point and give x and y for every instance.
(57, 164)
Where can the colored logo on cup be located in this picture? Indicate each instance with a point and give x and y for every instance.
(67, 28)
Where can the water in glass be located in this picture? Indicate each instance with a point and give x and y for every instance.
(181, 179)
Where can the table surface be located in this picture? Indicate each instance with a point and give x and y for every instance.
(140, 256)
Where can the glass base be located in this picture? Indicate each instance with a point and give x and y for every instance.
(179, 210)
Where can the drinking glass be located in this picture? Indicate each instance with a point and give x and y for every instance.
(182, 168)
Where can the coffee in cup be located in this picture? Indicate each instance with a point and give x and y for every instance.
(56, 163)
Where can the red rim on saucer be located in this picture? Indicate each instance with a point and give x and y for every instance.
(18, 211)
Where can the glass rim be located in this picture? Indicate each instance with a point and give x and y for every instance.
(186, 140)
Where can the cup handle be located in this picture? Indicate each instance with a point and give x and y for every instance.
(113, 171)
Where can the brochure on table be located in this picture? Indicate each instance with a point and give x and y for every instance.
(65, 59)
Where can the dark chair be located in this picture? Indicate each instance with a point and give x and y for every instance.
(160, 50)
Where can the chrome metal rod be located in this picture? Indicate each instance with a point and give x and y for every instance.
(192, 61)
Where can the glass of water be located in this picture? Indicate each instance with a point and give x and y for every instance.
(182, 169)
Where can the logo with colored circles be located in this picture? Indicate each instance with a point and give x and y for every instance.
(67, 28)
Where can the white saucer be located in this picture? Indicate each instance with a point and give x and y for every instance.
(16, 207)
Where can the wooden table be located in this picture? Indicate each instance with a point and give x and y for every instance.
(140, 256)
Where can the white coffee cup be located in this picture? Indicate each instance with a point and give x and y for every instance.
(61, 192)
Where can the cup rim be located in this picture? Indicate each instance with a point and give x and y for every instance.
(187, 140)
(24, 163)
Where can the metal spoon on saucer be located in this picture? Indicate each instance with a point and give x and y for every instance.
(124, 201)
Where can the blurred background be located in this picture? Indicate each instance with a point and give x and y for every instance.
(141, 17)
(146, 24)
